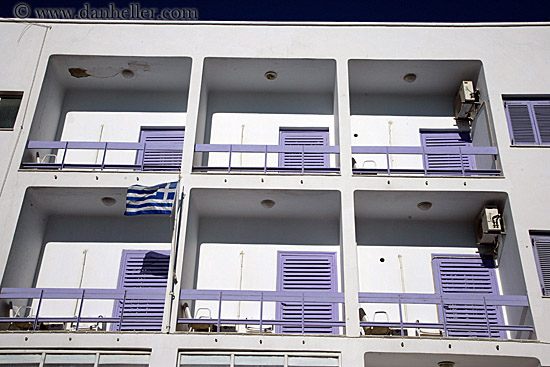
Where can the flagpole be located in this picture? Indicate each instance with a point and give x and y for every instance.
(176, 213)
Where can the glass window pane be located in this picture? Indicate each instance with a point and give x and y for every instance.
(313, 361)
(123, 360)
(9, 106)
(205, 360)
(260, 361)
(20, 360)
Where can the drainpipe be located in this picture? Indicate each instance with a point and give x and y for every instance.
(85, 253)
(241, 255)
(403, 290)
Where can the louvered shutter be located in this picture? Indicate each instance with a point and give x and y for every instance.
(307, 271)
(467, 275)
(447, 139)
(141, 269)
(542, 255)
(304, 138)
(163, 149)
(542, 117)
(521, 124)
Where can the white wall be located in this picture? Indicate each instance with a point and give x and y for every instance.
(111, 127)
(256, 128)
(393, 131)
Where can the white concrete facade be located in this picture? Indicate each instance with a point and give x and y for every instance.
(209, 79)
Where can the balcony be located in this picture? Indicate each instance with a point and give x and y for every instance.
(267, 116)
(110, 113)
(406, 125)
(421, 274)
(262, 261)
(77, 263)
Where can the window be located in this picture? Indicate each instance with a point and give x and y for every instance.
(447, 138)
(529, 122)
(9, 106)
(541, 246)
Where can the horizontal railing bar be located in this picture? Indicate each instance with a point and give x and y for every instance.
(46, 144)
(320, 323)
(428, 298)
(73, 293)
(254, 148)
(268, 296)
(423, 150)
(465, 326)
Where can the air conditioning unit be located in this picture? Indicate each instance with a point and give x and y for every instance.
(465, 101)
(489, 226)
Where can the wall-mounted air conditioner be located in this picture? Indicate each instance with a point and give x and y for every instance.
(489, 226)
(466, 101)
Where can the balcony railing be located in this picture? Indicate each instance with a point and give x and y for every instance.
(458, 152)
(33, 322)
(301, 321)
(483, 301)
(62, 147)
(301, 152)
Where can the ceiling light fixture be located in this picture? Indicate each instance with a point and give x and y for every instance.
(108, 201)
(268, 203)
(409, 78)
(271, 75)
(424, 205)
(446, 364)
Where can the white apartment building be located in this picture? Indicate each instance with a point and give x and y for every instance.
(348, 194)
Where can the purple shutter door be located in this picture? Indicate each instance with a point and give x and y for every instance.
(459, 274)
(542, 255)
(447, 139)
(307, 271)
(303, 138)
(163, 149)
(522, 127)
(141, 269)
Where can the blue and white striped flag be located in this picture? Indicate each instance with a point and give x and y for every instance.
(158, 199)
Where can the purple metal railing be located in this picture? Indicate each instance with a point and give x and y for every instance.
(261, 297)
(442, 300)
(267, 149)
(99, 146)
(80, 294)
(420, 150)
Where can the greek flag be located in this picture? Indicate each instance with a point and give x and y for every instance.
(158, 199)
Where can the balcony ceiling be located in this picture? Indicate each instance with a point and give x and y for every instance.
(402, 205)
(248, 75)
(105, 73)
(247, 203)
(433, 77)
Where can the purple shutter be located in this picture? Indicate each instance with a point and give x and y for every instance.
(542, 117)
(521, 123)
(457, 274)
(307, 271)
(542, 256)
(303, 138)
(141, 269)
(447, 139)
(163, 149)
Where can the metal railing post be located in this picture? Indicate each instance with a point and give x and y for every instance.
(80, 309)
(122, 310)
(38, 310)
(487, 316)
(265, 160)
(388, 159)
(64, 155)
(220, 313)
(400, 314)
(461, 162)
(104, 156)
(303, 313)
(303, 159)
(445, 331)
(261, 310)
(230, 154)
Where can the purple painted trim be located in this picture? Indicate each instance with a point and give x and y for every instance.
(420, 150)
(166, 149)
(535, 239)
(293, 138)
(437, 299)
(450, 137)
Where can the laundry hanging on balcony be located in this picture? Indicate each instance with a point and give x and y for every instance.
(158, 199)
